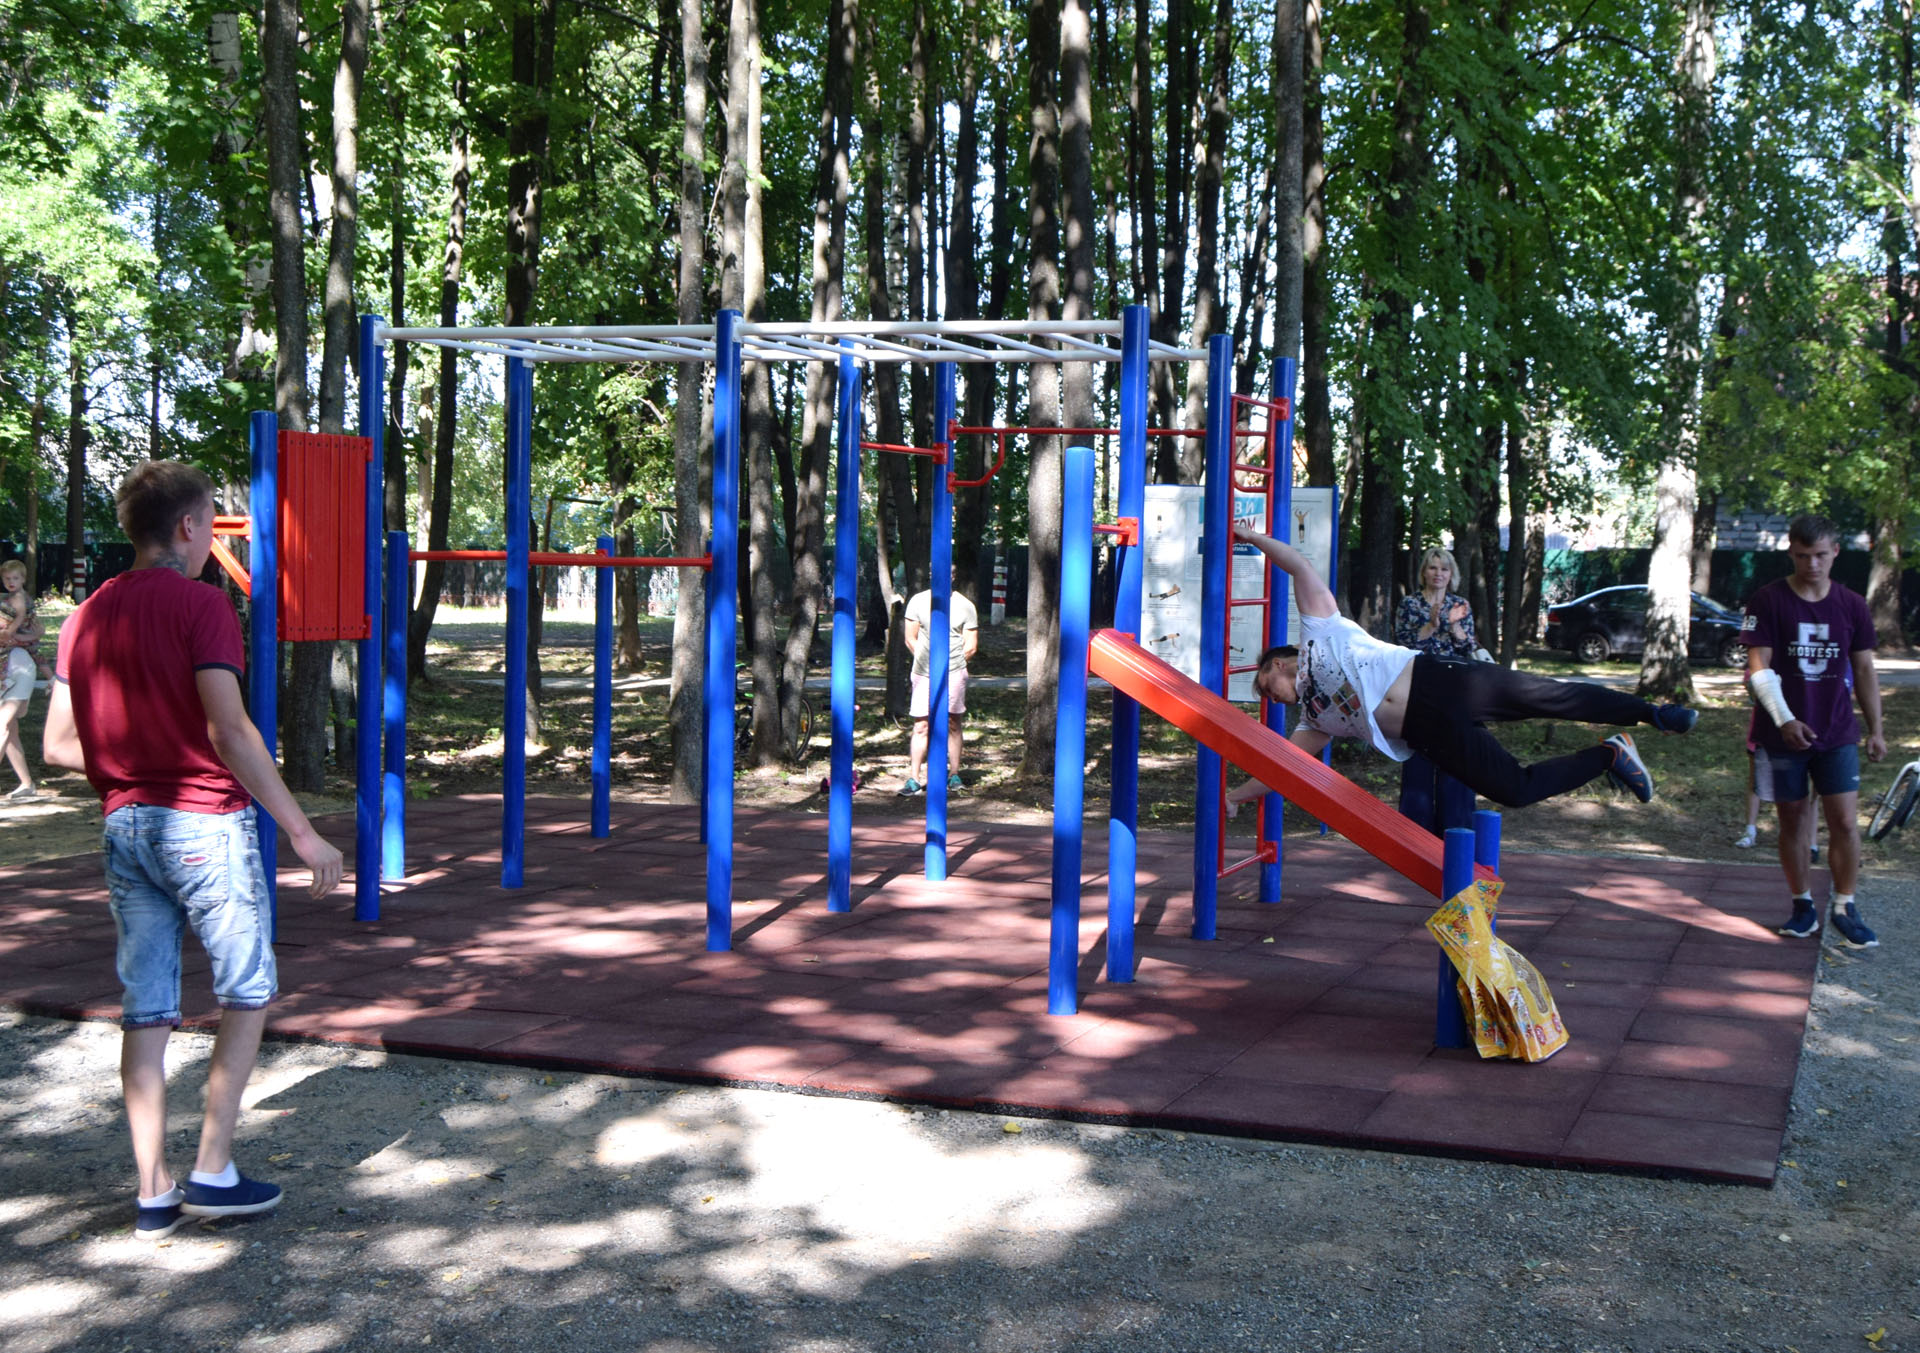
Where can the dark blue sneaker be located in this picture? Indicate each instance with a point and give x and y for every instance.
(910, 788)
(1804, 924)
(1628, 770)
(156, 1223)
(242, 1199)
(1675, 718)
(1851, 930)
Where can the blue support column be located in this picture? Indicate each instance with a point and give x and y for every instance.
(1070, 730)
(513, 726)
(940, 641)
(1215, 546)
(367, 788)
(603, 694)
(1123, 812)
(393, 784)
(723, 606)
(1486, 848)
(1273, 818)
(1456, 873)
(263, 635)
(846, 619)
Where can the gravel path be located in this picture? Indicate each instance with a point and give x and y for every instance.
(464, 1206)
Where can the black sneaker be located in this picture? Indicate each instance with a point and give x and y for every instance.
(1628, 770)
(1675, 718)
(240, 1200)
(156, 1223)
(1804, 924)
(1851, 930)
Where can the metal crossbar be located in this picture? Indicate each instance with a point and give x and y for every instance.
(899, 341)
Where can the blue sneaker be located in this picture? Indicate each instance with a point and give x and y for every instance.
(909, 789)
(1804, 924)
(1628, 770)
(241, 1200)
(1675, 718)
(156, 1223)
(1851, 930)
(955, 782)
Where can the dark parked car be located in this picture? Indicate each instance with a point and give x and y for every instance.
(1613, 621)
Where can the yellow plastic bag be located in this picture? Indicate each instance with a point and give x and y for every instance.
(1508, 1007)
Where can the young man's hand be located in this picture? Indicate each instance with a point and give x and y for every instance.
(319, 855)
(1876, 746)
(1798, 735)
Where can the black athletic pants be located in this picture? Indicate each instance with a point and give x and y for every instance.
(1449, 703)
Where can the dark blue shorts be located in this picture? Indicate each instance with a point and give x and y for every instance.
(1833, 770)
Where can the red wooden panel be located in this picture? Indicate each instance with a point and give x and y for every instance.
(323, 535)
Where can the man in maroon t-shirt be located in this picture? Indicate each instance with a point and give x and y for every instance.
(1809, 658)
(146, 702)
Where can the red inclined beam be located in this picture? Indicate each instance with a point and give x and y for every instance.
(1262, 753)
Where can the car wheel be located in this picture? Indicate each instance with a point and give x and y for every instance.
(1733, 653)
(1593, 646)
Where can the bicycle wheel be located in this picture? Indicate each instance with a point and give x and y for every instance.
(1898, 803)
(802, 749)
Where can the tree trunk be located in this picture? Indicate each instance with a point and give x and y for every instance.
(1316, 400)
(1076, 163)
(1043, 400)
(534, 33)
(1382, 471)
(692, 509)
(395, 470)
(1208, 318)
(832, 177)
(970, 458)
(304, 712)
(446, 405)
(898, 513)
(1174, 461)
(343, 238)
(1664, 670)
(78, 436)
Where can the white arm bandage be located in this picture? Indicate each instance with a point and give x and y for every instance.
(1766, 689)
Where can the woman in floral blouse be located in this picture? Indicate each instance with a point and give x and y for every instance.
(1435, 620)
(1438, 622)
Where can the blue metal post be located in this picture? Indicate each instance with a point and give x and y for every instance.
(603, 694)
(393, 784)
(263, 647)
(367, 788)
(513, 729)
(846, 617)
(1215, 547)
(1070, 730)
(723, 606)
(940, 640)
(1486, 849)
(1123, 812)
(1456, 874)
(1273, 811)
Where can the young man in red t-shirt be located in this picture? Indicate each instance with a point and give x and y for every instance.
(146, 702)
(1810, 645)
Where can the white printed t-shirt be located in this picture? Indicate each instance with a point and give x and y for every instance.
(961, 617)
(1344, 675)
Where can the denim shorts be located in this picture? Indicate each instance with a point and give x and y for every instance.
(168, 870)
(1833, 770)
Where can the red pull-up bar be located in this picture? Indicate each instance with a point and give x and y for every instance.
(594, 560)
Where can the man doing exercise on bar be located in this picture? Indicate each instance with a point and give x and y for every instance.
(1349, 684)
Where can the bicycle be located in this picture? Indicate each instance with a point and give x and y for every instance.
(797, 752)
(1897, 804)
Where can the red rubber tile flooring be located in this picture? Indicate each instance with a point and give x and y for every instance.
(1310, 1020)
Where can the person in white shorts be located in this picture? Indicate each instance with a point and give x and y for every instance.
(1759, 791)
(963, 643)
